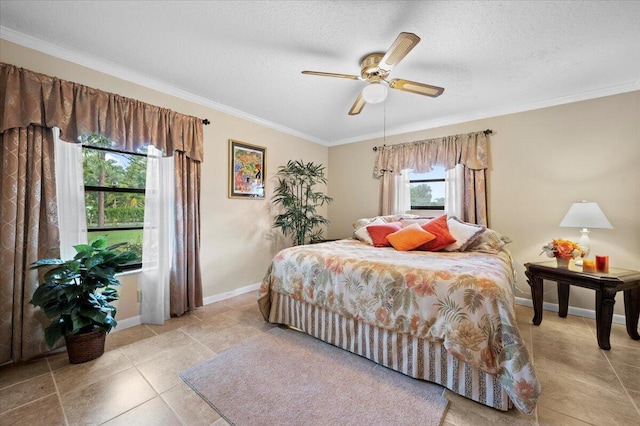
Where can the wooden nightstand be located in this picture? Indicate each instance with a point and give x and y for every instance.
(605, 285)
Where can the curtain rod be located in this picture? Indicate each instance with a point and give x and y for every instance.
(206, 121)
(486, 132)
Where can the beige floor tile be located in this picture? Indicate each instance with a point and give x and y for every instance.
(174, 323)
(629, 375)
(127, 336)
(220, 422)
(163, 372)
(250, 316)
(229, 337)
(211, 310)
(46, 411)
(211, 325)
(547, 417)
(564, 344)
(19, 372)
(25, 392)
(75, 376)
(151, 413)
(107, 398)
(619, 336)
(192, 409)
(623, 355)
(58, 359)
(589, 371)
(465, 412)
(155, 346)
(635, 396)
(590, 404)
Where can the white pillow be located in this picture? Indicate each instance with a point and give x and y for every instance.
(363, 235)
(464, 233)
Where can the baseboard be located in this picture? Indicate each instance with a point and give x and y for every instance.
(127, 323)
(579, 312)
(230, 294)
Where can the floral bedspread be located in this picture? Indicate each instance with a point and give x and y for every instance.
(465, 300)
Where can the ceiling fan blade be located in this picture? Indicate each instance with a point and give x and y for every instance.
(331, 74)
(357, 105)
(398, 50)
(414, 87)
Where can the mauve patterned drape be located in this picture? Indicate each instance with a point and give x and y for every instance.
(32, 100)
(470, 150)
(28, 232)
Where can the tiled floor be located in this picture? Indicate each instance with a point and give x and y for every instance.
(136, 381)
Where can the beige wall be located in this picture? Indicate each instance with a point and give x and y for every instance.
(540, 162)
(237, 241)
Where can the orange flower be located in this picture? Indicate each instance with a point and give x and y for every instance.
(563, 248)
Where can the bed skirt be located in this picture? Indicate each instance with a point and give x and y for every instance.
(415, 357)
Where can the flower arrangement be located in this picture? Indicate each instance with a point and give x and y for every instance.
(564, 249)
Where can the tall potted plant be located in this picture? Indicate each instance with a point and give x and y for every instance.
(298, 201)
(77, 295)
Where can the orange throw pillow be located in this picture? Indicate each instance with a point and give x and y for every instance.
(439, 228)
(379, 233)
(409, 238)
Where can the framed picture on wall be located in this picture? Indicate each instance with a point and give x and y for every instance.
(246, 170)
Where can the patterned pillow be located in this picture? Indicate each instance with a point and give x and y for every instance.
(409, 237)
(363, 235)
(464, 233)
(379, 233)
(437, 227)
(489, 241)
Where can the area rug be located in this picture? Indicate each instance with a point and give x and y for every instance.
(285, 377)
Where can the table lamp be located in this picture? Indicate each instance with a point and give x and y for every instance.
(586, 214)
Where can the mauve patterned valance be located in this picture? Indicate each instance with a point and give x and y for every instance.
(28, 98)
(468, 149)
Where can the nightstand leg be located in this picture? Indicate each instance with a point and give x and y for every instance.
(563, 299)
(605, 299)
(537, 294)
(632, 311)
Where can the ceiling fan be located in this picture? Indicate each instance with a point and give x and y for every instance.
(375, 68)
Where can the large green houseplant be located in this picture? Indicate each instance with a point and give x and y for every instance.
(77, 295)
(298, 201)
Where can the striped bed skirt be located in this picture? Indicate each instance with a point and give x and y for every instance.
(415, 357)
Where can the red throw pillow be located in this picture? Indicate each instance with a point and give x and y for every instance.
(379, 233)
(439, 228)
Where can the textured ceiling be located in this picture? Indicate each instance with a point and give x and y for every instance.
(245, 57)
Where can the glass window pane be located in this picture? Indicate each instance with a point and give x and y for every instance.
(131, 237)
(114, 209)
(427, 194)
(112, 169)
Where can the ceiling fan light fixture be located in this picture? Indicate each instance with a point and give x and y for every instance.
(374, 93)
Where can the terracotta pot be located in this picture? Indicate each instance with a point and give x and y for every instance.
(85, 347)
(563, 262)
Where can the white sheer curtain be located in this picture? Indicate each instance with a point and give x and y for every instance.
(158, 238)
(72, 219)
(454, 191)
(402, 203)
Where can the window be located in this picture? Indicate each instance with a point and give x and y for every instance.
(427, 189)
(114, 189)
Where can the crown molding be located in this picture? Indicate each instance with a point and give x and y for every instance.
(141, 79)
(127, 74)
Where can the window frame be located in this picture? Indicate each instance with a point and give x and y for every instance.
(97, 188)
(437, 207)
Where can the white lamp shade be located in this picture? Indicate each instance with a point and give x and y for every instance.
(374, 93)
(585, 215)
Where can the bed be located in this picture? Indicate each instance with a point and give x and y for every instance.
(444, 317)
